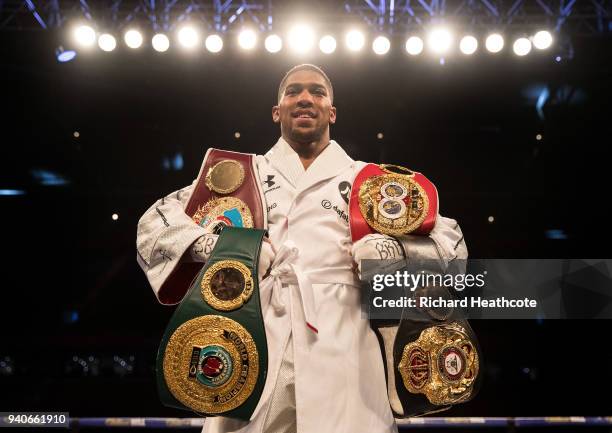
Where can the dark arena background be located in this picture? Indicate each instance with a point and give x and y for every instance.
(518, 147)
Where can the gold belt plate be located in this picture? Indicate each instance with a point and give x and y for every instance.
(224, 211)
(393, 204)
(211, 364)
(442, 364)
(227, 285)
(225, 176)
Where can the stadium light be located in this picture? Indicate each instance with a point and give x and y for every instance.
(355, 40)
(494, 43)
(301, 38)
(440, 40)
(247, 39)
(273, 43)
(107, 42)
(188, 37)
(414, 45)
(160, 42)
(133, 39)
(521, 47)
(62, 55)
(214, 43)
(542, 40)
(85, 36)
(327, 44)
(381, 45)
(468, 45)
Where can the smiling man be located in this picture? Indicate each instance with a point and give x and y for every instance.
(305, 110)
(325, 370)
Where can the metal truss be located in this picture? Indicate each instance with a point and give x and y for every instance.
(577, 16)
(387, 16)
(160, 15)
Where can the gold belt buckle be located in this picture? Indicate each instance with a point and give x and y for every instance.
(442, 364)
(393, 203)
(211, 364)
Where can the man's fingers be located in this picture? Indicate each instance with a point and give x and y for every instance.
(266, 257)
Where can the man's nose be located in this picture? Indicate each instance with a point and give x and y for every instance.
(305, 99)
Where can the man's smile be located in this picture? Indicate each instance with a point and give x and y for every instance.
(304, 114)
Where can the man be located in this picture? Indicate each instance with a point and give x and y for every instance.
(325, 369)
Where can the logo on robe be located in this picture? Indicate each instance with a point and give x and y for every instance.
(345, 190)
(269, 182)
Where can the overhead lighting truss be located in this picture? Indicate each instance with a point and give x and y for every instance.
(392, 17)
(161, 15)
(575, 16)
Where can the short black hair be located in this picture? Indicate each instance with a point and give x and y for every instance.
(307, 67)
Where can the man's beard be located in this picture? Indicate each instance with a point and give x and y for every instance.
(306, 137)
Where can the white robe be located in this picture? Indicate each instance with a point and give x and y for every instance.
(339, 375)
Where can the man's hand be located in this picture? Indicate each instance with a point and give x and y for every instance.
(266, 257)
(202, 248)
(376, 247)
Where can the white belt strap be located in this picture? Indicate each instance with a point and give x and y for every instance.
(284, 270)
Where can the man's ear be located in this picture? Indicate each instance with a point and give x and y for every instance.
(332, 115)
(276, 114)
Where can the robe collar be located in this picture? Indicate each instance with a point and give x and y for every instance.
(329, 163)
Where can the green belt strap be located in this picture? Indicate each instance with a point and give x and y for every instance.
(213, 357)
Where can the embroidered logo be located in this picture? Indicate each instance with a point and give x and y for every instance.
(326, 204)
(270, 181)
(269, 184)
(345, 190)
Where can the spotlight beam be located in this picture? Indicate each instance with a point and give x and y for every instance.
(247, 39)
(160, 42)
(414, 45)
(327, 44)
(107, 42)
(355, 40)
(301, 38)
(133, 38)
(381, 45)
(440, 40)
(273, 43)
(85, 36)
(494, 43)
(214, 43)
(188, 37)
(542, 40)
(468, 45)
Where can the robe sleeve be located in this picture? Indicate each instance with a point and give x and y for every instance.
(165, 232)
(444, 245)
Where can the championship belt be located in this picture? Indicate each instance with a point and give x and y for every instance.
(431, 356)
(391, 200)
(227, 193)
(213, 357)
